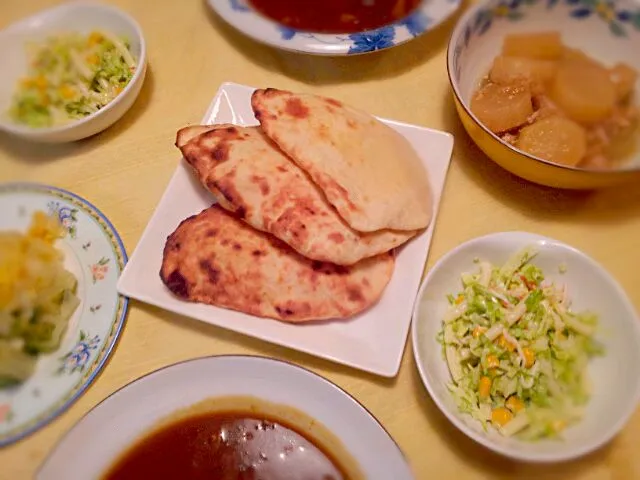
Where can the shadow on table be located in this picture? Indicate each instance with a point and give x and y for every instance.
(319, 70)
(261, 347)
(33, 152)
(491, 464)
(532, 200)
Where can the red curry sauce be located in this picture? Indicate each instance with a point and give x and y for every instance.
(335, 16)
(226, 446)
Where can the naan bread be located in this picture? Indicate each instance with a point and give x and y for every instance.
(186, 134)
(368, 171)
(251, 177)
(216, 258)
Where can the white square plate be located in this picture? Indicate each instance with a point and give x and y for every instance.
(372, 341)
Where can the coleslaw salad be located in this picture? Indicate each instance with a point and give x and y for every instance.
(70, 77)
(517, 353)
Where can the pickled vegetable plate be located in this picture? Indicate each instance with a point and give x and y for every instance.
(95, 255)
(478, 39)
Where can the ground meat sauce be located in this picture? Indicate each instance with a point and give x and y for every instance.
(226, 446)
(335, 16)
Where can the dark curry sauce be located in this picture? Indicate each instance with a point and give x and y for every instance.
(227, 446)
(335, 16)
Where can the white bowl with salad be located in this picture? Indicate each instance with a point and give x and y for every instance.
(69, 72)
(528, 346)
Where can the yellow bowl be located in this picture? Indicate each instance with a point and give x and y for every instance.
(606, 31)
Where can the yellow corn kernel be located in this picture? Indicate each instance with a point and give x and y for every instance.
(484, 387)
(66, 91)
(6, 293)
(514, 404)
(529, 357)
(460, 299)
(94, 38)
(40, 82)
(119, 90)
(45, 227)
(93, 59)
(501, 416)
(558, 425)
(506, 344)
(478, 331)
(492, 361)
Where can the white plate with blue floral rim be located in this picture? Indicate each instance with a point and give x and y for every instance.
(94, 253)
(240, 15)
(372, 341)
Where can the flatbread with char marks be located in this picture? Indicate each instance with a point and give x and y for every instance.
(250, 176)
(215, 258)
(368, 171)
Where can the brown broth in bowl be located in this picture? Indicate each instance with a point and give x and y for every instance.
(246, 443)
(335, 16)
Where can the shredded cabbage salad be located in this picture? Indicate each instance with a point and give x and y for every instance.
(71, 76)
(517, 353)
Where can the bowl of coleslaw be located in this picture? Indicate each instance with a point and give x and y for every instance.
(69, 72)
(528, 346)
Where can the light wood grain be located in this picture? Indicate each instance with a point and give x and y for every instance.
(125, 170)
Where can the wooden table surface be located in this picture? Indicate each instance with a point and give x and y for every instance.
(125, 169)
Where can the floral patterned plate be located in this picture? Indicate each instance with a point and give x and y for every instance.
(240, 15)
(95, 254)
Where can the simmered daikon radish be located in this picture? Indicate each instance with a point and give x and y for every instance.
(556, 139)
(502, 108)
(584, 91)
(532, 72)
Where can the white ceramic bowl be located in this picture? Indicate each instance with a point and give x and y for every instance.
(615, 376)
(70, 17)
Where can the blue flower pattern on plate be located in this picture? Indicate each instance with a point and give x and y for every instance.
(579, 9)
(78, 357)
(239, 5)
(607, 11)
(66, 215)
(373, 40)
(415, 24)
(287, 33)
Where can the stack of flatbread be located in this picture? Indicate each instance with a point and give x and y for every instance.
(310, 206)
